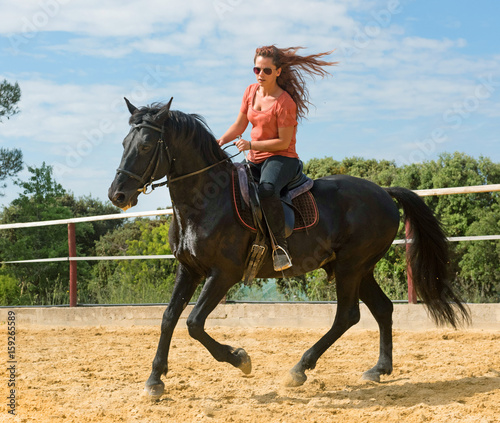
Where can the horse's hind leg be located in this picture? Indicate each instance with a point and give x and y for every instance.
(381, 308)
(185, 285)
(347, 315)
(213, 291)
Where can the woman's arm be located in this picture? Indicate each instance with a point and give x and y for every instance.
(237, 128)
(276, 144)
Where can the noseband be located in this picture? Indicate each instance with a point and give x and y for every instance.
(159, 155)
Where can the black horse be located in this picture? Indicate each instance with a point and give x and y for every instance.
(358, 222)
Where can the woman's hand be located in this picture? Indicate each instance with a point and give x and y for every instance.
(243, 144)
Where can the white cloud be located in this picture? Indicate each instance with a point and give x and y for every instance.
(420, 43)
(407, 75)
(52, 112)
(169, 27)
(93, 17)
(93, 47)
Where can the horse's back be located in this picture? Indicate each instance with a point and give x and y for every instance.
(361, 208)
(351, 191)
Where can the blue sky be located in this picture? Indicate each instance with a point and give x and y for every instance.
(415, 78)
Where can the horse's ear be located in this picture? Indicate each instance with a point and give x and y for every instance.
(162, 115)
(130, 106)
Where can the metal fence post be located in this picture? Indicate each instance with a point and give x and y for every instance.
(72, 265)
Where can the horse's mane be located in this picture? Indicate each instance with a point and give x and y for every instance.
(192, 127)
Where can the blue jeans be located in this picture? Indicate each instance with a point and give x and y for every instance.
(274, 174)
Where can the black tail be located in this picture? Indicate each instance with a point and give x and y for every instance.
(428, 258)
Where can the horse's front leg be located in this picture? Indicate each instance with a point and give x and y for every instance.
(185, 285)
(213, 291)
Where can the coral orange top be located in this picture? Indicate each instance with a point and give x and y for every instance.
(265, 123)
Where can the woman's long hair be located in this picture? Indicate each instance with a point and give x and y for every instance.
(293, 69)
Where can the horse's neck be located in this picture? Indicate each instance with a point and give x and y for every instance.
(185, 151)
(201, 188)
(185, 161)
(203, 195)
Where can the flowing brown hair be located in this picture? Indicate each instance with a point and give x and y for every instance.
(293, 69)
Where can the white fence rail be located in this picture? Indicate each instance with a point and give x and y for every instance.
(458, 190)
(86, 219)
(95, 258)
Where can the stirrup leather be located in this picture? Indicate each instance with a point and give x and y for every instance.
(281, 259)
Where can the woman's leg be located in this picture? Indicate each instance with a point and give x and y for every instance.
(276, 173)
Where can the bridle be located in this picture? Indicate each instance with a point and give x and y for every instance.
(160, 154)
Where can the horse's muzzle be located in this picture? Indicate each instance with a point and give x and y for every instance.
(121, 200)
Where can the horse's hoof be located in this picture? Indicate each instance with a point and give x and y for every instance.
(294, 378)
(156, 390)
(371, 376)
(246, 364)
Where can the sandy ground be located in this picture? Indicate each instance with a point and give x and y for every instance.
(97, 374)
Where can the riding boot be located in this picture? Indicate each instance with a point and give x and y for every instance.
(275, 216)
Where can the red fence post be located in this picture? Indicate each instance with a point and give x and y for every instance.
(412, 294)
(72, 265)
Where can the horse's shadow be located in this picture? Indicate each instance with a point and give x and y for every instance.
(388, 393)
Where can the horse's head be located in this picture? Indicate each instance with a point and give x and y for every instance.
(144, 157)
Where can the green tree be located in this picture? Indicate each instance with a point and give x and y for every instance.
(479, 271)
(11, 160)
(11, 163)
(135, 281)
(41, 199)
(88, 233)
(10, 94)
(456, 212)
(381, 172)
(10, 292)
(104, 284)
(37, 202)
(317, 168)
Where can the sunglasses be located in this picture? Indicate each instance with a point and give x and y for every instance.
(267, 71)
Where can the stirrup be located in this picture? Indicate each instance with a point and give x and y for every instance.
(281, 259)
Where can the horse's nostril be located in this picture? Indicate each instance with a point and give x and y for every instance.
(118, 198)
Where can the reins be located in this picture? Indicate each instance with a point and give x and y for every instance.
(156, 160)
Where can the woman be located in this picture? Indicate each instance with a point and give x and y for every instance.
(272, 106)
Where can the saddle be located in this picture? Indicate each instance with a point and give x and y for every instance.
(299, 206)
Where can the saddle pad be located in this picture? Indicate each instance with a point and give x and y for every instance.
(306, 215)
